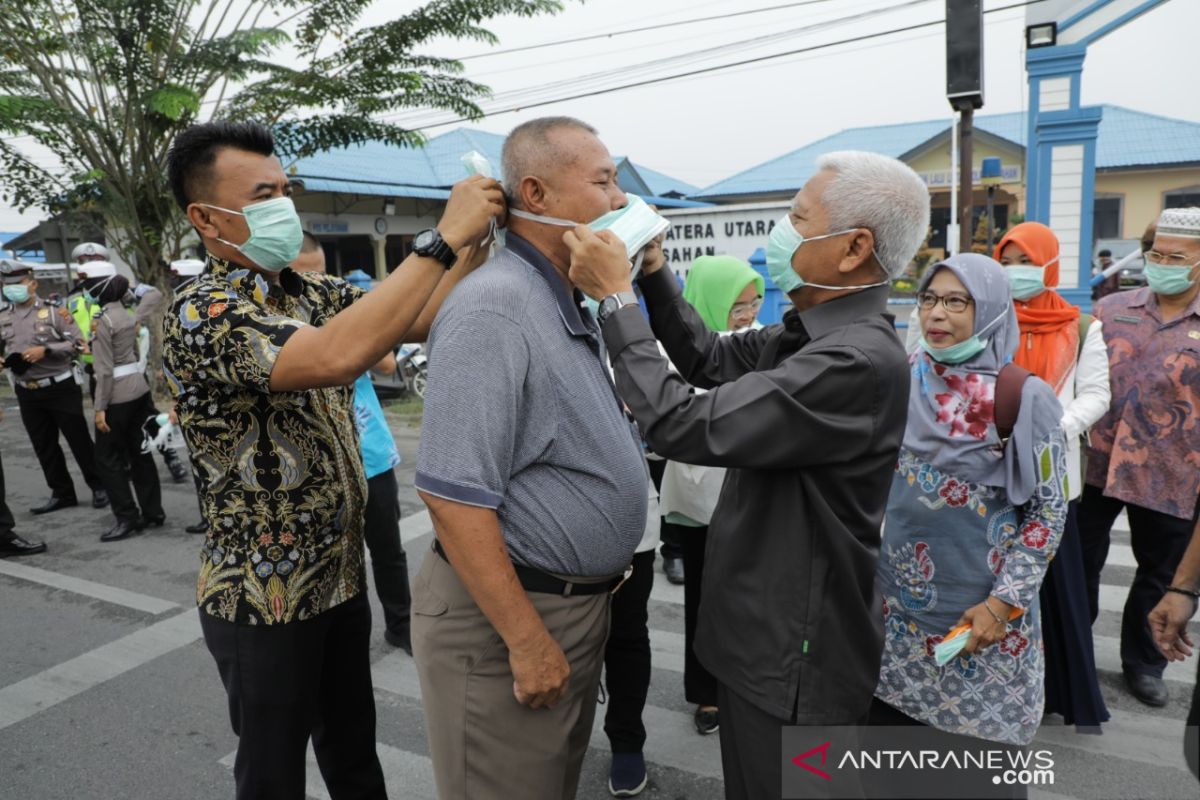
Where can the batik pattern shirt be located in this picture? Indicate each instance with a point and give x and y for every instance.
(281, 478)
(1146, 449)
(947, 545)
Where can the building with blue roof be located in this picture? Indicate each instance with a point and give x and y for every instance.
(364, 203)
(1144, 163)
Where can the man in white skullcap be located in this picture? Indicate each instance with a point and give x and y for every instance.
(1144, 455)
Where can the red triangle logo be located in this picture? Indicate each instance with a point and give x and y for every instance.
(802, 759)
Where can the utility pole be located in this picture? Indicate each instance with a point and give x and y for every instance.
(964, 90)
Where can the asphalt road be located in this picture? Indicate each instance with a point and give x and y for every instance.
(107, 690)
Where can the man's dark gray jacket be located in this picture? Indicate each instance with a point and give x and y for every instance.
(808, 417)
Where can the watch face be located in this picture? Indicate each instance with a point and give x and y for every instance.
(424, 239)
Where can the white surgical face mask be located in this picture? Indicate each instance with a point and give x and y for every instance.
(635, 225)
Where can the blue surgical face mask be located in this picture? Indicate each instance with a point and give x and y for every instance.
(966, 349)
(1168, 281)
(1027, 282)
(275, 233)
(17, 293)
(782, 245)
(635, 224)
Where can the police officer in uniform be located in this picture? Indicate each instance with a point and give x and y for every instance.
(39, 343)
(10, 543)
(86, 310)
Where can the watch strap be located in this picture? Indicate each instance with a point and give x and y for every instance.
(437, 249)
(614, 303)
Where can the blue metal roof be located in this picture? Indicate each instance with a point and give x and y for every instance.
(428, 172)
(1127, 139)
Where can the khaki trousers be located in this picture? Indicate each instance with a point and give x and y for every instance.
(485, 744)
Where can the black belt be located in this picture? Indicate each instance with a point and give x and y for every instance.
(534, 580)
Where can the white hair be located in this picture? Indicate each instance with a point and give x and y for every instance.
(880, 194)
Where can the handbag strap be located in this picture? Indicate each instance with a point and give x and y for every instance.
(1009, 384)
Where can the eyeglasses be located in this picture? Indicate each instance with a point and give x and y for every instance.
(746, 309)
(954, 303)
(1162, 259)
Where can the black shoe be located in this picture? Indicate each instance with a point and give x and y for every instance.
(674, 569)
(122, 530)
(706, 721)
(1149, 689)
(155, 521)
(199, 527)
(627, 775)
(401, 640)
(54, 504)
(16, 546)
(99, 498)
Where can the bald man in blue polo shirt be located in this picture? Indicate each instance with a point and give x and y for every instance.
(537, 486)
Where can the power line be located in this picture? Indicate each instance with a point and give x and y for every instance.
(534, 94)
(594, 36)
(716, 68)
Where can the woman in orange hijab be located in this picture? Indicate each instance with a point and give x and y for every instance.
(1065, 349)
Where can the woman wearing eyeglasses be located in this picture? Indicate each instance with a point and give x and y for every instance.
(972, 520)
(727, 293)
(1065, 349)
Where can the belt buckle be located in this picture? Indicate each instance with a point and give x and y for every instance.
(625, 577)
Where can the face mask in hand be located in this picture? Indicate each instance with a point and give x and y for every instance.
(275, 233)
(476, 163)
(783, 243)
(635, 225)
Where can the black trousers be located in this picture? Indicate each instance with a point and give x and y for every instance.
(1158, 542)
(627, 659)
(699, 686)
(882, 714)
(7, 523)
(47, 413)
(389, 563)
(671, 546)
(119, 459)
(288, 682)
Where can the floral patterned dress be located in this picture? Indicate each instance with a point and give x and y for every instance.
(947, 545)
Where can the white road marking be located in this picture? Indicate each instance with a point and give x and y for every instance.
(100, 591)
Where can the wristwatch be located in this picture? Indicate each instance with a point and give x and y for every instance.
(430, 244)
(613, 303)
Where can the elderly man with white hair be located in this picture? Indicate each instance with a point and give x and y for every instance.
(807, 416)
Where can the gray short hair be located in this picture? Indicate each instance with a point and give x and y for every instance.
(881, 194)
(529, 151)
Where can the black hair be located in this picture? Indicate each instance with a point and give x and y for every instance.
(189, 164)
(1104, 253)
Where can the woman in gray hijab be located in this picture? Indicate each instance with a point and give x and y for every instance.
(972, 521)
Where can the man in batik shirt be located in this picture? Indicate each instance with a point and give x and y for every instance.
(261, 360)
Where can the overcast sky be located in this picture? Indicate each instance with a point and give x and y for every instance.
(704, 128)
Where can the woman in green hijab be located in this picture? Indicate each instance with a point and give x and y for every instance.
(727, 293)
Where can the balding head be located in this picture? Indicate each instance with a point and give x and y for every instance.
(536, 149)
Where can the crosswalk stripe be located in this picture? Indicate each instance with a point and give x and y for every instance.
(99, 591)
(1137, 737)
(1120, 555)
(1108, 657)
(25, 698)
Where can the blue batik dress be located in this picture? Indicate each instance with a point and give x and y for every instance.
(947, 545)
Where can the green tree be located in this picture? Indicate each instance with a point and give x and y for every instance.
(105, 85)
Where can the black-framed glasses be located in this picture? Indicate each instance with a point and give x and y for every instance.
(954, 303)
